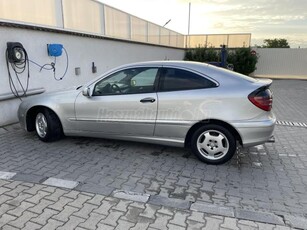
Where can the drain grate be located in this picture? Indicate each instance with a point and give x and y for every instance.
(292, 123)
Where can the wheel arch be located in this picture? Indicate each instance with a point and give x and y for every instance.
(31, 114)
(199, 124)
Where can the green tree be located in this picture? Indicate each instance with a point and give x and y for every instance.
(276, 43)
(243, 60)
(202, 54)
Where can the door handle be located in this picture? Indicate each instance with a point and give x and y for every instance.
(148, 100)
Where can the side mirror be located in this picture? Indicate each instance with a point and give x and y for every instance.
(86, 92)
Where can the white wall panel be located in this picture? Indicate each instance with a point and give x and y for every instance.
(82, 52)
(281, 62)
(40, 12)
(82, 15)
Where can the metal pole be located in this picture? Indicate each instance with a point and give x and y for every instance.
(189, 22)
(167, 22)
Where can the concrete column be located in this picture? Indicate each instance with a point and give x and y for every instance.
(102, 20)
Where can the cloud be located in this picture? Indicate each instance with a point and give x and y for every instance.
(263, 18)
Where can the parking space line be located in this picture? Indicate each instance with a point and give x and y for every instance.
(291, 123)
(128, 195)
(6, 175)
(61, 183)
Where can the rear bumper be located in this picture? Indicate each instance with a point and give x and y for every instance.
(256, 132)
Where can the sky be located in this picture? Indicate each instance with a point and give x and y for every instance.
(264, 19)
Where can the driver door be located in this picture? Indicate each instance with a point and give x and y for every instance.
(124, 103)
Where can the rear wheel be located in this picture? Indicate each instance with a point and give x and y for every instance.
(48, 126)
(213, 144)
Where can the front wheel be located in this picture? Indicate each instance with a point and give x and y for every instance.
(213, 144)
(48, 126)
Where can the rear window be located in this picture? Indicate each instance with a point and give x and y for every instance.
(235, 74)
(176, 79)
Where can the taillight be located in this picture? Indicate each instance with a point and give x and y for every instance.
(262, 98)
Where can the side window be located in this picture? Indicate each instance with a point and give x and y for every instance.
(177, 79)
(145, 78)
(128, 81)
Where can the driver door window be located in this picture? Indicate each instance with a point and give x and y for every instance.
(128, 81)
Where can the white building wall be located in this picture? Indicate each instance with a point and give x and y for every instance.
(82, 52)
(281, 62)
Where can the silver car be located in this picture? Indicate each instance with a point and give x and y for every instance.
(176, 103)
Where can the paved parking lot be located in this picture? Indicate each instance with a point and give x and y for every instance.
(290, 100)
(266, 183)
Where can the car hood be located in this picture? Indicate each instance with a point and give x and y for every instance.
(63, 92)
(51, 99)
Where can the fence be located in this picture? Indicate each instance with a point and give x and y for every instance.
(216, 40)
(92, 17)
(88, 16)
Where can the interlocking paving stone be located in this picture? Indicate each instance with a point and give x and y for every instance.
(92, 221)
(112, 218)
(197, 217)
(150, 211)
(44, 216)
(21, 221)
(161, 221)
(180, 218)
(38, 208)
(32, 226)
(296, 221)
(230, 223)
(35, 188)
(60, 204)
(213, 222)
(23, 206)
(6, 218)
(2, 131)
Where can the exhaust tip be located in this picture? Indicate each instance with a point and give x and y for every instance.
(271, 140)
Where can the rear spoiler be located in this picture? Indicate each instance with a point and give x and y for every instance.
(264, 82)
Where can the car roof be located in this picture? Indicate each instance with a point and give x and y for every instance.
(220, 75)
(168, 62)
(214, 72)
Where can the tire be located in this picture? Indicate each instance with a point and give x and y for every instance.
(48, 126)
(213, 144)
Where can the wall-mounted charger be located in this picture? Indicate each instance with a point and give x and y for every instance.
(15, 52)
